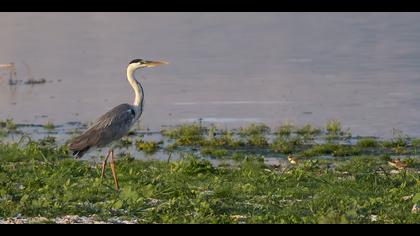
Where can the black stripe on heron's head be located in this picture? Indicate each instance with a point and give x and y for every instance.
(136, 61)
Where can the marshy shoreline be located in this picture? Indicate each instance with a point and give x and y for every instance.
(200, 173)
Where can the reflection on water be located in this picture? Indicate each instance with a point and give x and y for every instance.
(229, 68)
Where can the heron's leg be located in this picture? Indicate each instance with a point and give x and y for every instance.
(104, 164)
(114, 173)
(169, 157)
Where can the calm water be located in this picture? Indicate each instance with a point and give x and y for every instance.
(228, 68)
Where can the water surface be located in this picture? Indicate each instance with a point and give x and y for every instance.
(228, 68)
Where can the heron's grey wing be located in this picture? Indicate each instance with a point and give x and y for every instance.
(111, 126)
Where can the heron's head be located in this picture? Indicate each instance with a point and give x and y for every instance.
(140, 63)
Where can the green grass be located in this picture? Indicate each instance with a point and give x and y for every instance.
(37, 181)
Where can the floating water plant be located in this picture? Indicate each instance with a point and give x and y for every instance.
(126, 142)
(308, 131)
(254, 129)
(187, 134)
(216, 153)
(331, 149)
(415, 143)
(335, 131)
(10, 124)
(149, 147)
(367, 143)
(285, 130)
(49, 140)
(131, 133)
(283, 146)
(49, 126)
(225, 139)
(254, 134)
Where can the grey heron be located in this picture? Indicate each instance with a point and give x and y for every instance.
(114, 124)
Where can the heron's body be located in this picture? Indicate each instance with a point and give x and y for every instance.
(116, 123)
(112, 126)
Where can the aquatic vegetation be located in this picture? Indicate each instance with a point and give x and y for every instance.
(283, 146)
(149, 147)
(346, 150)
(225, 139)
(171, 147)
(126, 142)
(212, 152)
(131, 133)
(415, 143)
(399, 139)
(3, 133)
(257, 141)
(250, 158)
(335, 130)
(254, 134)
(49, 140)
(40, 179)
(308, 131)
(398, 144)
(318, 150)
(367, 143)
(254, 130)
(285, 130)
(49, 126)
(186, 134)
(334, 127)
(9, 124)
(286, 141)
(331, 149)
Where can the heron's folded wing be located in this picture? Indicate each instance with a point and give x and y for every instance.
(111, 126)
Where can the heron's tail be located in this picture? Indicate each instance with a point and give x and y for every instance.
(79, 153)
(78, 147)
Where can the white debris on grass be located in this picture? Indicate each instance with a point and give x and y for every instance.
(68, 219)
(416, 208)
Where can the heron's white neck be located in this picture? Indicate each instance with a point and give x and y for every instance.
(138, 89)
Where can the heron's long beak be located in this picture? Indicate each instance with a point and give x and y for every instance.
(155, 63)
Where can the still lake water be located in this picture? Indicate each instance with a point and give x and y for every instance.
(227, 68)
